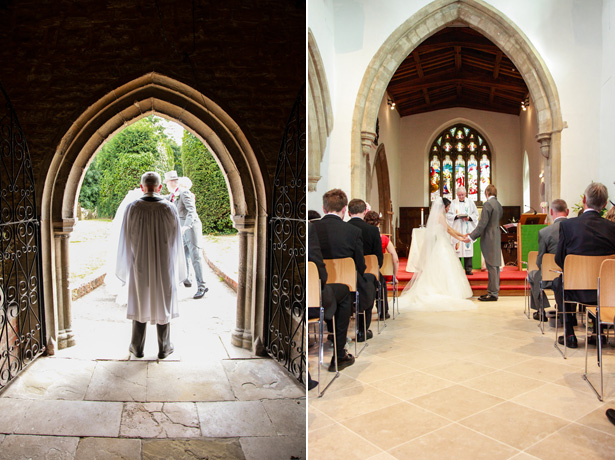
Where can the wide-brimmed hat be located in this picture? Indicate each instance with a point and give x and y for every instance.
(171, 175)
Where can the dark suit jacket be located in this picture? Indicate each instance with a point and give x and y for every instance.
(587, 235)
(372, 243)
(315, 254)
(548, 238)
(338, 240)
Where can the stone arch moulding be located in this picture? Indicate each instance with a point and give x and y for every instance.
(384, 188)
(493, 25)
(156, 94)
(319, 111)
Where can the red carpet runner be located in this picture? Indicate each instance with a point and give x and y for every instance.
(511, 280)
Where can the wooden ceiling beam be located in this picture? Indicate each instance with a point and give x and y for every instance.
(417, 62)
(491, 95)
(458, 58)
(426, 96)
(496, 67)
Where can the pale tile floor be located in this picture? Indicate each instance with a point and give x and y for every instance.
(206, 400)
(484, 384)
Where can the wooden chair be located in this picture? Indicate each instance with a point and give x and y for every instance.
(530, 265)
(343, 271)
(371, 267)
(387, 270)
(580, 274)
(315, 301)
(549, 271)
(603, 314)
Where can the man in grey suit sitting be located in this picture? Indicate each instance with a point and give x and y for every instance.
(488, 229)
(548, 238)
(191, 226)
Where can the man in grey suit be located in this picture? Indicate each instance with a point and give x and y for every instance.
(191, 226)
(488, 229)
(548, 238)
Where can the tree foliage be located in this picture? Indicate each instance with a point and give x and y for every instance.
(208, 186)
(142, 146)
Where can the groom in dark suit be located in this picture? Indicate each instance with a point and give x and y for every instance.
(587, 235)
(339, 239)
(488, 229)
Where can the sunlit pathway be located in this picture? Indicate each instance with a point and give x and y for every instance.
(207, 400)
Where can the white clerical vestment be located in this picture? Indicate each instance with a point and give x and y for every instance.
(150, 258)
(460, 208)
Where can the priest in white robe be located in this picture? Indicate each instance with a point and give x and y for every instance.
(150, 258)
(463, 217)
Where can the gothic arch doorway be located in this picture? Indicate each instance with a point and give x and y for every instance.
(493, 25)
(156, 94)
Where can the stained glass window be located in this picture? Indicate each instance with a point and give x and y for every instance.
(459, 156)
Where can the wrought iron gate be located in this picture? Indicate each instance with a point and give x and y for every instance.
(22, 330)
(286, 249)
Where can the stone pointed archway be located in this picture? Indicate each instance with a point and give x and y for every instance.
(381, 169)
(501, 31)
(156, 94)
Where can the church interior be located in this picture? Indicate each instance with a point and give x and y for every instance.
(406, 102)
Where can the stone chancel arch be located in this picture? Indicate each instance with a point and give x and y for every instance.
(493, 25)
(156, 94)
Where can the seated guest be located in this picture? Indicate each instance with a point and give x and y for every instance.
(336, 302)
(372, 218)
(548, 238)
(587, 235)
(610, 214)
(338, 240)
(313, 215)
(372, 244)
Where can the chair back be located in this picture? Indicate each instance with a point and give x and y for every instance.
(549, 268)
(342, 271)
(581, 272)
(387, 265)
(606, 284)
(371, 265)
(313, 286)
(531, 261)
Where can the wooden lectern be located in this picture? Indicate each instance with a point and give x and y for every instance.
(527, 232)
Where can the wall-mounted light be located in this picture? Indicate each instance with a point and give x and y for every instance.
(525, 103)
(390, 103)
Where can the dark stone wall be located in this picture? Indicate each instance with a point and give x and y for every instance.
(57, 57)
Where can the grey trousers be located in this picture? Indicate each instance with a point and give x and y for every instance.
(534, 277)
(493, 285)
(193, 253)
(138, 336)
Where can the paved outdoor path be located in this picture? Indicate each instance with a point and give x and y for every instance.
(207, 400)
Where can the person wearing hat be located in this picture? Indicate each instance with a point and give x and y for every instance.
(192, 229)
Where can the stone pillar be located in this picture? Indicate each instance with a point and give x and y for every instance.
(368, 148)
(545, 149)
(62, 231)
(242, 336)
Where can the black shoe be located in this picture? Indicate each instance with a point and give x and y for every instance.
(591, 340)
(187, 283)
(610, 414)
(571, 341)
(200, 293)
(361, 337)
(312, 384)
(386, 316)
(537, 317)
(488, 298)
(469, 272)
(167, 352)
(342, 362)
(134, 352)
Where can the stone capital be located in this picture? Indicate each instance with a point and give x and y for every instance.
(244, 224)
(64, 227)
(544, 139)
(367, 142)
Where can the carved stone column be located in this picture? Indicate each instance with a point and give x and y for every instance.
(242, 335)
(62, 231)
(368, 150)
(545, 149)
(544, 139)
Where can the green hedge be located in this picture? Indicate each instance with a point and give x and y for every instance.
(208, 186)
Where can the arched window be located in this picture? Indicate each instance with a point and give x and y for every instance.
(459, 156)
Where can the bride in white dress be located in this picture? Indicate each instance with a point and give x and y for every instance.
(440, 283)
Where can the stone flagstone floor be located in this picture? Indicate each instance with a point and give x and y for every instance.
(482, 384)
(206, 400)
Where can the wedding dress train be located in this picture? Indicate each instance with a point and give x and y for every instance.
(440, 282)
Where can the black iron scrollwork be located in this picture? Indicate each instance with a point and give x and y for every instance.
(21, 310)
(287, 235)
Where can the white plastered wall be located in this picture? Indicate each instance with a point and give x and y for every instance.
(567, 34)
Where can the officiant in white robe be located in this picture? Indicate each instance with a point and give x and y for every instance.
(151, 260)
(463, 217)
